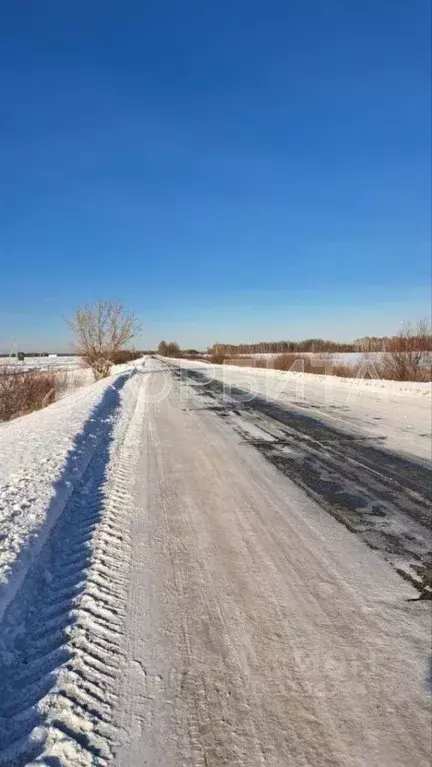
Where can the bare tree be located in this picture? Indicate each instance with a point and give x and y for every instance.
(101, 331)
(170, 349)
(173, 349)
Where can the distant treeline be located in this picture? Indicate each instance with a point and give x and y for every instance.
(367, 344)
(419, 338)
(169, 349)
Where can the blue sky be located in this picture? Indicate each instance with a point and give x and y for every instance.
(230, 171)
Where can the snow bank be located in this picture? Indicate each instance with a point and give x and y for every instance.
(42, 456)
(337, 358)
(396, 415)
(357, 385)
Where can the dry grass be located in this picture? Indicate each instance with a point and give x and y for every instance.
(218, 359)
(391, 368)
(347, 371)
(393, 365)
(22, 392)
(405, 357)
(243, 362)
(125, 355)
(296, 363)
(408, 356)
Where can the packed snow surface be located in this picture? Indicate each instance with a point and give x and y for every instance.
(398, 412)
(193, 595)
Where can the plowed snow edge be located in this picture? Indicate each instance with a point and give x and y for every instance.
(62, 633)
(24, 534)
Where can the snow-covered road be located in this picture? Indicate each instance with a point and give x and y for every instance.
(196, 604)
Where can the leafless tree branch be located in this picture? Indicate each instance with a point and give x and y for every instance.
(101, 331)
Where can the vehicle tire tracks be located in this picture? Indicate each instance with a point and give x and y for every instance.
(380, 496)
(62, 644)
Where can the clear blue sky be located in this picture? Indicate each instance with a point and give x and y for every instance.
(230, 170)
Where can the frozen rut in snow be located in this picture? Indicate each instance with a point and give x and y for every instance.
(195, 607)
(61, 636)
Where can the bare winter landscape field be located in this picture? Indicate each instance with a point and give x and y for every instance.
(210, 565)
(215, 384)
(50, 362)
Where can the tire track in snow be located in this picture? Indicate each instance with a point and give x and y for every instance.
(380, 496)
(63, 633)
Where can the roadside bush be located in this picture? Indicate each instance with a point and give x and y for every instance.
(22, 392)
(298, 362)
(125, 355)
(301, 363)
(248, 362)
(345, 371)
(218, 359)
(408, 356)
(398, 364)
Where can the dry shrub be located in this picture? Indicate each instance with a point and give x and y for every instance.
(345, 371)
(125, 355)
(408, 356)
(249, 362)
(398, 364)
(321, 364)
(100, 366)
(390, 368)
(22, 392)
(68, 380)
(64, 380)
(298, 363)
(217, 358)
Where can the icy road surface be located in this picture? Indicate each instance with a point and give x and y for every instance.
(219, 589)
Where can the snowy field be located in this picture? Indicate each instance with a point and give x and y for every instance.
(169, 589)
(34, 448)
(41, 363)
(337, 358)
(340, 358)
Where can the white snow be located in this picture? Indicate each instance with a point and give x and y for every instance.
(397, 412)
(42, 457)
(218, 597)
(337, 358)
(259, 630)
(52, 362)
(34, 449)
